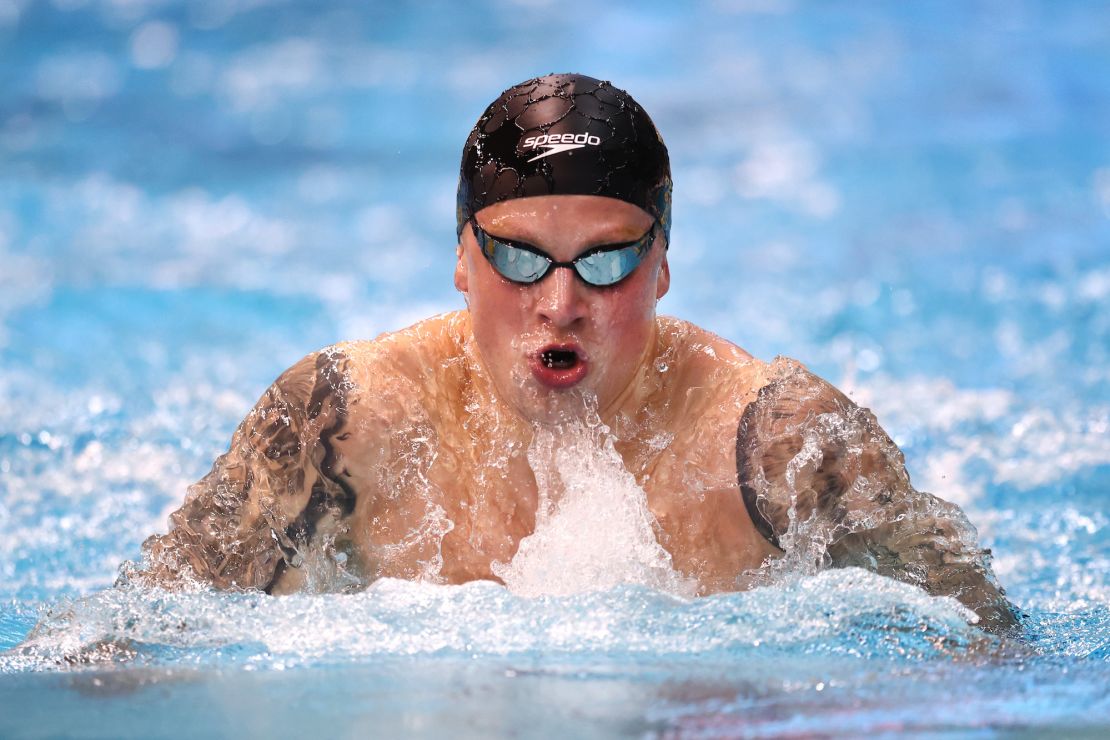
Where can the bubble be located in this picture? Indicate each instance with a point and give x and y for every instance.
(868, 360)
(154, 45)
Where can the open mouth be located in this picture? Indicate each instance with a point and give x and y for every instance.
(559, 366)
(559, 359)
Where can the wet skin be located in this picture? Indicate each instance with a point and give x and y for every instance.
(613, 327)
(407, 456)
(468, 495)
(440, 472)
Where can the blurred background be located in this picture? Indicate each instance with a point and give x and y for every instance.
(911, 198)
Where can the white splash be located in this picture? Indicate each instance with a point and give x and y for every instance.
(837, 612)
(593, 530)
(1018, 442)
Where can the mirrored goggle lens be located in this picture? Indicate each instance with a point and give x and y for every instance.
(600, 268)
(609, 267)
(518, 265)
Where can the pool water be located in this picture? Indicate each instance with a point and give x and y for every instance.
(911, 198)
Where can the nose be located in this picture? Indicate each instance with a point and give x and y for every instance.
(562, 302)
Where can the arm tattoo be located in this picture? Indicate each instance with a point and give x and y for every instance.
(253, 514)
(817, 471)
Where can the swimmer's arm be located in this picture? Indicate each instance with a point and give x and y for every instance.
(242, 524)
(807, 454)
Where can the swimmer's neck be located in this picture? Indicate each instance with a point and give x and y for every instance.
(641, 386)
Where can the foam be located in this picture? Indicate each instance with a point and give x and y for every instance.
(593, 527)
(836, 612)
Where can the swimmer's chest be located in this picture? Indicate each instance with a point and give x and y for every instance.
(435, 511)
(447, 512)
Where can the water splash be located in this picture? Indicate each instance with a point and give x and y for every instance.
(838, 612)
(593, 527)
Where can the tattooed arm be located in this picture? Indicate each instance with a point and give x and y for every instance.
(249, 519)
(818, 471)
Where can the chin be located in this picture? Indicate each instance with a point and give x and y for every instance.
(543, 405)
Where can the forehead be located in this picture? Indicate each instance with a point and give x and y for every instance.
(587, 217)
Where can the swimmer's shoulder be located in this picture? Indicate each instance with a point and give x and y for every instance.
(392, 375)
(705, 360)
(409, 358)
(705, 356)
(792, 392)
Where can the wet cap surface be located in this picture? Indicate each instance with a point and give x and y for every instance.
(565, 134)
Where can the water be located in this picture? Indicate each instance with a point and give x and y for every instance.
(913, 199)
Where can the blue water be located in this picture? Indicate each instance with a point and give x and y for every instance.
(912, 198)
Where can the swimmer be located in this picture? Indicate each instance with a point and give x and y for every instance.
(408, 456)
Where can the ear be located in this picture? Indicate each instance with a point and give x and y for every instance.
(462, 277)
(663, 282)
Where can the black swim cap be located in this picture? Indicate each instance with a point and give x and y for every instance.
(565, 134)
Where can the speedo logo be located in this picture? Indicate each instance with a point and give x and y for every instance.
(555, 143)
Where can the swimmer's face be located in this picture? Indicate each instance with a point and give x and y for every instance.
(555, 346)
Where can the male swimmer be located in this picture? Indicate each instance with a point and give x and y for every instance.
(407, 456)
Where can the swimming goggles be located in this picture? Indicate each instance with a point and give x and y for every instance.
(521, 262)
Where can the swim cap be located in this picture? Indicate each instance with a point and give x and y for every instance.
(565, 134)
